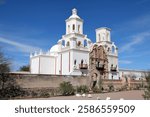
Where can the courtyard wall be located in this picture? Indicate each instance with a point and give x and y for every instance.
(39, 81)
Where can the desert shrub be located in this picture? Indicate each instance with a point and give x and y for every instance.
(44, 94)
(34, 94)
(98, 90)
(9, 88)
(146, 94)
(8, 85)
(66, 88)
(124, 87)
(111, 87)
(137, 87)
(82, 89)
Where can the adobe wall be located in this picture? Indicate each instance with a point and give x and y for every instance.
(38, 81)
(48, 81)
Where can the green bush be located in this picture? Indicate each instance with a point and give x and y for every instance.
(111, 87)
(146, 94)
(98, 90)
(34, 94)
(44, 94)
(82, 89)
(66, 88)
(9, 88)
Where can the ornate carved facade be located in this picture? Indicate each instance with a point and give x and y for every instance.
(98, 65)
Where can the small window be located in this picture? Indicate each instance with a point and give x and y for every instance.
(99, 37)
(79, 28)
(82, 61)
(107, 36)
(79, 43)
(68, 28)
(68, 44)
(85, 43)
(113, 49)
(108, 49)
(73, 27)
(63, 43)
(75, 61)
(112, 76)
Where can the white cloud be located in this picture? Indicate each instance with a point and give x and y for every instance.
(125, 61)
(136, 39)
(140, 23)
(21, 47)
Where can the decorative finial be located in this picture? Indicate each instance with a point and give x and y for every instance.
(74, 11)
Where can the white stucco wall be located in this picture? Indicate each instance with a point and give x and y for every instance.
(34, 65)
(47, 65)
(65, 63)
(79, 55)
(43, 65)
(137, 75)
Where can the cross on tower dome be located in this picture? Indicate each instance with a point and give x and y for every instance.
(74, 14)
(74, 11)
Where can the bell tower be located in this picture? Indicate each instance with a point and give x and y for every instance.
(74, 24)
(103, 34)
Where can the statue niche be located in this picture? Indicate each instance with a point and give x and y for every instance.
(98, 66)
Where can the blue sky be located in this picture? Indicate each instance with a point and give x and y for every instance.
(29, 25)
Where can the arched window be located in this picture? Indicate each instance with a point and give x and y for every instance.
(85, 43)
(99, 37)
(79, 43)
(107, 36)
(108, 49)
(68, 28)
(75, 61)
(113, 49)
(79, 28)
(63, 43)
(73, 27)
(82, 62)
(68, 44)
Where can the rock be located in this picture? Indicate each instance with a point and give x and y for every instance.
(108, 98)
(78, 95)
(83, 95)
(89, 96)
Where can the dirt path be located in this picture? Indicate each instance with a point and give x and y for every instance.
(127, 95)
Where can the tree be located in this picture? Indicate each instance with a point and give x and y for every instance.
(146, 94)
(25, 68)
(4, 64)
(8, 85)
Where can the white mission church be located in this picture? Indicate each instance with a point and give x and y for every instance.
(70, 56)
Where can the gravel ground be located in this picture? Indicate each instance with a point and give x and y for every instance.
(126, 95)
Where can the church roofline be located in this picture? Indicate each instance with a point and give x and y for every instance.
(103, 28)
(81, 20)
(74, 34)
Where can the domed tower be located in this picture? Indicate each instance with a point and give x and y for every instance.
(74, 24)
(73, 47)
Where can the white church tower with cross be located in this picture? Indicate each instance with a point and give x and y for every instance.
(70, 56)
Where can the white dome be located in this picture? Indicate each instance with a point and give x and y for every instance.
(74, 16)
(54, 49)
